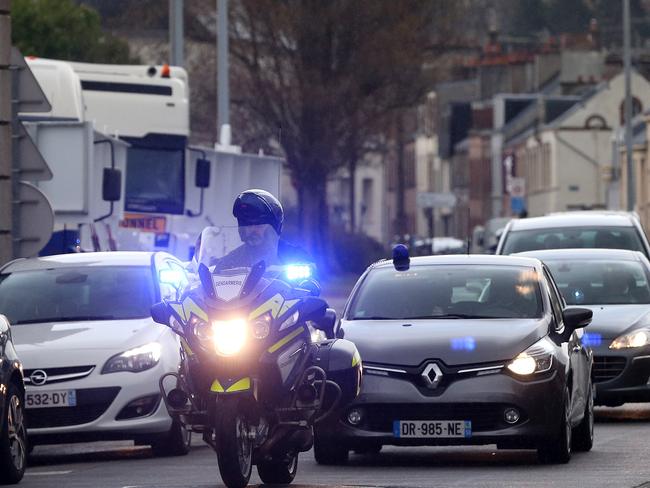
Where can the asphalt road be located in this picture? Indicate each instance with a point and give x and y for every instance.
(619, 459)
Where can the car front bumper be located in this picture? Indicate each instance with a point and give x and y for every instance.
(480, 399)
(101, 398)
(621, 375)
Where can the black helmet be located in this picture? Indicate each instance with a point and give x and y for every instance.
(254, 207)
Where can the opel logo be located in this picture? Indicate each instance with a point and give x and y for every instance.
(38, 377)
(432, 375)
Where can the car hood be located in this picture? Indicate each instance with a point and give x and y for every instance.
(610, 321)
(53, 344)
(454, 341)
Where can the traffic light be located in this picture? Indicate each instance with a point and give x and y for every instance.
(26, 218)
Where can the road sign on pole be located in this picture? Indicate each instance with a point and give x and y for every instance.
(32, 218)
(434, 200)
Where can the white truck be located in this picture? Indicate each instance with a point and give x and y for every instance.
(125, 177)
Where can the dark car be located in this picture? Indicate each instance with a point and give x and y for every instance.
(615, 284)
(13, 436)
(572, 230)
(464, 350)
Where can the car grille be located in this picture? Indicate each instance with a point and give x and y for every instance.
(484, 416)
(608, 367)
(57, 375)
(91, 403)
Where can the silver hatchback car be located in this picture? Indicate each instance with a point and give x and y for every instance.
(574, 230)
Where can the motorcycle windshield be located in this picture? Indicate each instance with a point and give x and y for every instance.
(233, 253)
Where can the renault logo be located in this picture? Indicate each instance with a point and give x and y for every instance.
(432, 375)
(38, 377)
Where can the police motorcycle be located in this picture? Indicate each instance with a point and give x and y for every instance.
(260, 364)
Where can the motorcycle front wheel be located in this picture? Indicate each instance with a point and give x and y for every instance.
(234, 445)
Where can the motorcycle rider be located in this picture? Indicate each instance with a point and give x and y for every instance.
(260, 217)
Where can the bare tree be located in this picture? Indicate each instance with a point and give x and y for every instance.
(320, 77)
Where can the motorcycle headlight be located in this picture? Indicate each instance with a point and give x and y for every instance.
(636, 338)
(229, 336)
(536, 359)
(261, 327)
(134, 360)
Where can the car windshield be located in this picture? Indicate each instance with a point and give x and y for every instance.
(448, 291)
(572, 237)
(76, 294)
(600, 282)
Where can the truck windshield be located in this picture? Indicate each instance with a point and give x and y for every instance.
(155, 181)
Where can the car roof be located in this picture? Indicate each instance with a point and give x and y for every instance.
(574, 219)
(113, 258)
(466, 259)
(582, 253)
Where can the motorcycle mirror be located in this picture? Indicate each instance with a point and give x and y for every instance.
(327, 323)
(312, 309)
(160, 313)
(206, 280)
(312, 286)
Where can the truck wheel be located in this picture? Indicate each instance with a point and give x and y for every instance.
(329, 453)
(278, 471)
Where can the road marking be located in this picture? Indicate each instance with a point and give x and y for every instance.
(47, 473)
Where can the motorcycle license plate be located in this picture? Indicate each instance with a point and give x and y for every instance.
(50, 398)
(431, 429)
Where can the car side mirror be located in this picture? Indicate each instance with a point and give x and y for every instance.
(111, 185)
(202, 175)
(576, 318)
(327, 323)
(160, 313)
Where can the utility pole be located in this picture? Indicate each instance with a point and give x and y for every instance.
(223, 95)
(6, 212)
(631, 197)
(176, 32)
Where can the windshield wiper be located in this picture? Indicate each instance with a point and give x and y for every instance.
(65, 319)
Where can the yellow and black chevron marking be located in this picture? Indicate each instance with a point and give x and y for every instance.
(276, 306)
(243, 384)
(188, 307)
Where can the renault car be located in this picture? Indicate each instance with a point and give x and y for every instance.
(464, 350)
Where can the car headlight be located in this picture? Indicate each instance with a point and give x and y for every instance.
(229, 336)
(636, 338)
(134, 360)
(536, 359)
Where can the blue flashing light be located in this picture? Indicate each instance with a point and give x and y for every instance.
(296, 272)
(592, 339)
(463, 344)
(173, 277)
(401, 259)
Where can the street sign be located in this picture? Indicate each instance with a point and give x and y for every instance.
(32, 219)
(517, 187)
(34, 212)
(30, 96)
(433, 200)
(32, 165)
